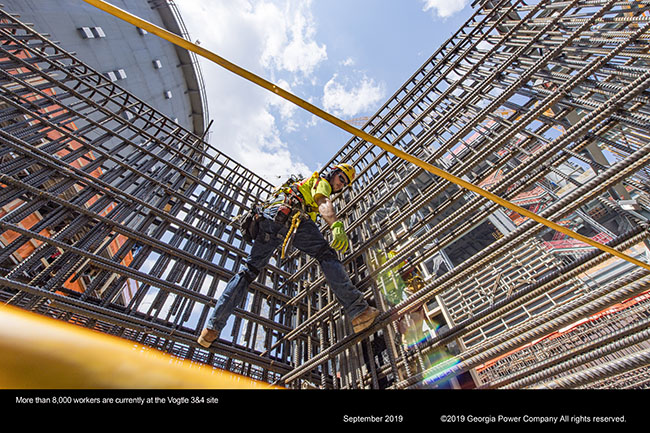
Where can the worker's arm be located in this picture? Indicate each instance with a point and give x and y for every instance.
(326, 209)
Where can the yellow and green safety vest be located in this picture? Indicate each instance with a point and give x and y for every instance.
(309, 189)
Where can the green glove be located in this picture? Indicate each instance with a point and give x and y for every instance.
(340, 241)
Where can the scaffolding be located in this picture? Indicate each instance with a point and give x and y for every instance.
(116, 219)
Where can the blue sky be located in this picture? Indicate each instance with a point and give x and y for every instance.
(345, 56)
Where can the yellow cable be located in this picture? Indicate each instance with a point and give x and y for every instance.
(177, 40)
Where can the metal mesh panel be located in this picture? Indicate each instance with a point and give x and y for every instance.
(115, 218)
(543, 104)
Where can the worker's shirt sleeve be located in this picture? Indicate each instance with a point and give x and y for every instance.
(321, 187)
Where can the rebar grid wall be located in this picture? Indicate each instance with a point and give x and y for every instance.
(114, 217)
(545, 104)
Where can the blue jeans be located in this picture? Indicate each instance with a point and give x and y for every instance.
(307, 239)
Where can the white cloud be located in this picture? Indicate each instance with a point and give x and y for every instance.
(270, 40)
(290, 43)
(262, 151)
(444, 8)
(285, 108)
(352, 98)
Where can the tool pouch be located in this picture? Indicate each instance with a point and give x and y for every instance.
(248, 224)
(283, 215)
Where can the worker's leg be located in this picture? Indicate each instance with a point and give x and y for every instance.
(263, 247)
(310, 240)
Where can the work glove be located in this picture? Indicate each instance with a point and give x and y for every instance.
(340, 241)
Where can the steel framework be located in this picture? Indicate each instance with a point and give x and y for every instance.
(115, 218)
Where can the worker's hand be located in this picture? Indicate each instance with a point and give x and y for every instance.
(340, 241)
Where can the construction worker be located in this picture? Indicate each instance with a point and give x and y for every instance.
(291, 215)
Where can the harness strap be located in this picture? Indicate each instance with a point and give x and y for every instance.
(293, 198)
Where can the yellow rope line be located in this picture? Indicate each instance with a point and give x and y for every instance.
(295, 222)
(177, 40)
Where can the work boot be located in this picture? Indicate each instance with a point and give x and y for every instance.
(207, 337)
(365, 319)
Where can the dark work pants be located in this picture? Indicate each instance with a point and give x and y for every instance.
(307, 239)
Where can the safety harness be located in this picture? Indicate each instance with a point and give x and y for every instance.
(293, 208)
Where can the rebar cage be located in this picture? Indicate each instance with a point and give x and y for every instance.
(115, 218)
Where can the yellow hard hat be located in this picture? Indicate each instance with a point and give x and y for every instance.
(348, 170)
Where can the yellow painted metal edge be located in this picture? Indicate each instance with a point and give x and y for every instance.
(38, 352)
(177, 40)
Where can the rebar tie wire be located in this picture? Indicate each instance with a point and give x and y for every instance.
(183, 43)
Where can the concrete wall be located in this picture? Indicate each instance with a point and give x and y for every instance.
(122, 48)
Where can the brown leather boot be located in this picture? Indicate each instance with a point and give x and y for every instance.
(207, 337)
(365, 319)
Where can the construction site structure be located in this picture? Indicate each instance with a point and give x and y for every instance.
(123, 223)
(167, 77)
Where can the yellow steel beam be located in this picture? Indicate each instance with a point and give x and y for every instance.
(38, 352)
(177, 40)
